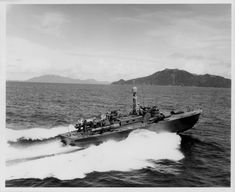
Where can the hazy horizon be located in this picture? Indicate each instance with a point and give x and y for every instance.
(95, 79)
(112, 42)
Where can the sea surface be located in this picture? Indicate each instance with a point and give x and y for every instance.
(37, 112)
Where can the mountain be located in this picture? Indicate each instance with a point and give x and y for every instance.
(179, 78)
(60, 79)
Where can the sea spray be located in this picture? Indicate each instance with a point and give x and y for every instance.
(37, 133)
(140, 149)
(37, 150)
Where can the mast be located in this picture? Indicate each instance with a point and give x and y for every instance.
(134, 91)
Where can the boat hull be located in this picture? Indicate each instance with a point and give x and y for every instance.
(175, 123)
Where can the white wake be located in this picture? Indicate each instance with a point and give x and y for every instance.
(37, 133)
(140, 149)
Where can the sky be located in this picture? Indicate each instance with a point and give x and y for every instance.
(112, 42)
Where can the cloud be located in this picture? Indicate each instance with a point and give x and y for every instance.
(129, 20)
(26, 59)
(196, 43)
(201, 63)
(160, 16)
(188, 57)
(51, 23)
(134, 44)
(112, 65)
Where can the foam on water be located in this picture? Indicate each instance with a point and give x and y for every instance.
(37, 150)
(140, 149)
(37, 133)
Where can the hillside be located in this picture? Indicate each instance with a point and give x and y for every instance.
(60, 79)
(179, 78)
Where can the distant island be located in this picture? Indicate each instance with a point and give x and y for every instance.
(178, 77)
(61, 79)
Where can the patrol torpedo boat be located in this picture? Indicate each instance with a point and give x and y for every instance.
(117, 126)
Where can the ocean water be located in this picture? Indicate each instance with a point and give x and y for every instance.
(37, 113)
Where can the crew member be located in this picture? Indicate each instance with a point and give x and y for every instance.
(85, 126)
